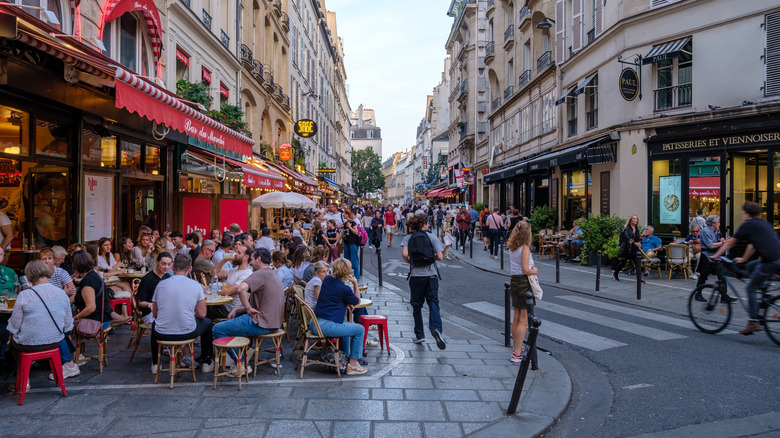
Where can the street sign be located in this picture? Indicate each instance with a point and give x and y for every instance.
(305, 128)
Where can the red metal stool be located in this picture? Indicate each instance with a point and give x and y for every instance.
(23, 370)
(378, 320)
(123, 302)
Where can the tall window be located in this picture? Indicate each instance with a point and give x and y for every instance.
(127, 41)
(571, 115)
(592, 103)
(182, 64)
(51, 5)
(548, 112)
(674, 78)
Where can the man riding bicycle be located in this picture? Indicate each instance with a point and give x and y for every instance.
(763, 240)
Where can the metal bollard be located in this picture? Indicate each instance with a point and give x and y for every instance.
(529, 301)
(557, 265)
(463, 235)
(533, 333)
(598, 271)
(471, 246)
(501, 249)
(361, 260)
(638, 269)
(379, 265)
(507, 315)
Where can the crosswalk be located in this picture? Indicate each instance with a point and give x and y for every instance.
(657, 327)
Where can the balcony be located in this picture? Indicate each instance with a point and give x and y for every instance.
(673, 97)
(278, 92)
(508, 92)
(462, 130)
(572, 127)
(268, 78)
(186, 3)
(224, 38)
(257, 70)
(278, 7)
(490, 4)
(285, 21)
(207, 19)
(285, 102)
(490, 49)
(495, 104)
(524, 13)
(246, 57)
(509, 35)
(544, 61)
(464, 87)
(591, 119)
(524, 78)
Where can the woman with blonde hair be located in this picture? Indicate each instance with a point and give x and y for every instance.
(446, 231)
(160, 246)
(334, 300)
(521, 266)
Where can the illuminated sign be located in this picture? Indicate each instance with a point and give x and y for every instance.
(305, 128)
(325, 170)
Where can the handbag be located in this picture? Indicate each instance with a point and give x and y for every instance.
(89, 328)
(536, 288)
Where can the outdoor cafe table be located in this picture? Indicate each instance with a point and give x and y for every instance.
(219, 301)
(130, 276)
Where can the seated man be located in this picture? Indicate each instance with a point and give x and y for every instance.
(179, 310)
(265, 241)
(202, 264)
(262, 303)
(651, 244)
(241, 270)
(149, 283)
(571, 248)
(693, 241)
(192, 242)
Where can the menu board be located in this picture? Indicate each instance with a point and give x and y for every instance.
(669, 199)
(98, 206)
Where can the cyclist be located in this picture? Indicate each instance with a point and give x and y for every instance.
(763, 240)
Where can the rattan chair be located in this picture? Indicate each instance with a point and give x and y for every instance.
(650, 262)
(546, 249)
(677, 257)
(313, 338)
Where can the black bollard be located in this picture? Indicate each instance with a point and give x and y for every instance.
(471, 246)
(531, 306)
(463, 235)
(557, 265)
(507, 315)
(533, 333)
(598, 271)
(361, 260)
(501, 249)
(638, 269)
(379, 265)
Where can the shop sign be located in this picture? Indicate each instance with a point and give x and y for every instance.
(726, 141)
(233, 211)
(305, 128)
(326, 170)
(669, 199)
(285, 154)
(262, 182)
(704, 192)
(465, 169)
(425, 161)
(196, 215)
(629, 84)
(98, 206)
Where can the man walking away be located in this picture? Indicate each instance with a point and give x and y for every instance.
(421, 249)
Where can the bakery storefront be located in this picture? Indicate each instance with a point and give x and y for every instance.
(714, 168)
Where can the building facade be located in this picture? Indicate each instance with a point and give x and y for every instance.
(364, 131)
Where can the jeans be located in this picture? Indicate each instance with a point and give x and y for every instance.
(202, 329)
(238, 326)
(351, 335)
(495, 239)
(424, 289)
(759, 273)
(351, 254)
(463, 235)
(65, 348)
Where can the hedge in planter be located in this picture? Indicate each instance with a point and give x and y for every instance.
(599, 234)
(541, 217)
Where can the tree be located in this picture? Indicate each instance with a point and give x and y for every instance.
(366, 172)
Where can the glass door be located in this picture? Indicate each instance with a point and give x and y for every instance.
(704, 186)
(141, 206)
(748, 184)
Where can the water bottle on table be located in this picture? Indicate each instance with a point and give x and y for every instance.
(214, 289)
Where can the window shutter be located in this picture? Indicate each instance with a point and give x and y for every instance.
(660, 3)
(560, 31)
(599, 23)
(772, 59)
(576, 25)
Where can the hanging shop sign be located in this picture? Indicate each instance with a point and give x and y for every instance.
(305, 128)
(629, 84)
(285, 151)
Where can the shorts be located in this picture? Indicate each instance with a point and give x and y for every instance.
(390, 229)
(518, 286)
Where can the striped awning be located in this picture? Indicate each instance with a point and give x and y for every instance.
(115, 9)
(665, 51)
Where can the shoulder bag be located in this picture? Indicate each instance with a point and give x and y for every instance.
(536, 288)
(47, 309)
(89, 328)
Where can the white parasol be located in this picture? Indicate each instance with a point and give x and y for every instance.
(283, 200)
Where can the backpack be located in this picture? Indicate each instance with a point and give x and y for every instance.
(421, 251)
(440, 214)
(363, 236)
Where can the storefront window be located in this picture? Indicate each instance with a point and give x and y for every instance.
(131, 155)
(703, 186)
(10, 191)
(749, 183)
(50, 198)
(97, 151)
(666, 206)
(51, 139)
(576, 192)
(776, 207)
(152, 160)
(14, 131)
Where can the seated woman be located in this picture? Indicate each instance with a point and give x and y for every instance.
(280, 264)
(332, 304)
(299, 262)
(31, 326)
(312, 291)
(108, 263)
(90, 293)
(142, 253)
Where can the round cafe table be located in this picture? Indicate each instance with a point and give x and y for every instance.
(132, 275)
(219, 301)
(364, 302)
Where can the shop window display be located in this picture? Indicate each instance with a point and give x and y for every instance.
(51, 139)
(666, 205)
(14, 131)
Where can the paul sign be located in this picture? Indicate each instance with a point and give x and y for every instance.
(629, 84)
(305, 128)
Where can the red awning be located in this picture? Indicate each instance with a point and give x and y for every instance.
(154, 103)
(115, 8)
(704, 186)
(184, 59)
(432, 193)
(223, 90)
(301, 181)
(253, 176)
(446, 192)
(70, 56)
(206, 75)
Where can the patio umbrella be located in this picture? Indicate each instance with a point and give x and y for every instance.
(283, 200)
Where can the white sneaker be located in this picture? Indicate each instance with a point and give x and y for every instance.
(234, 370)
(372, 343)
(207, 367)
(154, 368)
(273, 365)
(67, 372)
(418, 341)
(694, 276)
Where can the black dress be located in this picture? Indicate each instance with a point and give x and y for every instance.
(627, 251)
(94, 281)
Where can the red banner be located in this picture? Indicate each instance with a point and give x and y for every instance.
(206, 75)
(223, 90)
(196, 215)
(233, 211)
(262, 182)
(184, 59)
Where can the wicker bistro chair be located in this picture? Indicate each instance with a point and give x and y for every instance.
(312, 338)
(102, 343)
(276, 351)
(650, 263)
(677, 257)
(546, 249)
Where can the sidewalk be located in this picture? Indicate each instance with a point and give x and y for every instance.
(417, 391)
(656, 294)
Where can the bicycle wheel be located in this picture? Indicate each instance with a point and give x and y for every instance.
(770, 317)
(709, 316)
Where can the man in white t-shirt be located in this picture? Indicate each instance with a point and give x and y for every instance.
(179, 310)
(236, 276)
(333, 213)
(6, 231)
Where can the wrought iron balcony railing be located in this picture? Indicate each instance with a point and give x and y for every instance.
(544, 61)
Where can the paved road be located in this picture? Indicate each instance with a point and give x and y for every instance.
(635, 370)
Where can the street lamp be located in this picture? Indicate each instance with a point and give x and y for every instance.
(545, 23)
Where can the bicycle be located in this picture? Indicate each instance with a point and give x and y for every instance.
(713, 315)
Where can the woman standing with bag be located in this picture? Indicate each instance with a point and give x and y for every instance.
(522, 266)
(630, 241)
(351, 241)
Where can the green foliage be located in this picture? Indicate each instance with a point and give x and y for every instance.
(542, 217)
(366, 172)
(611, 248)
(197, 92)
(299, 157)
(597, 232)
(231, 116)
(479, 207)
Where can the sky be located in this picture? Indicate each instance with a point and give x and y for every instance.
(394, 57)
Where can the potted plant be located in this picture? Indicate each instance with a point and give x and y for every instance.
(542, 217)
(599, 233)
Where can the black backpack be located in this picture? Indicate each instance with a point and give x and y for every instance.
(421, 251)
(440, 214)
